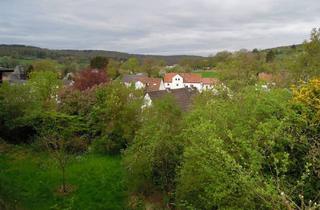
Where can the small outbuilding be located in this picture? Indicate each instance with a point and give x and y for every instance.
(4, 70)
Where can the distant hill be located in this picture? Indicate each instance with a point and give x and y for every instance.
(82, 56)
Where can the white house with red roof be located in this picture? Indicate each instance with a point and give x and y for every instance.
(190, 80)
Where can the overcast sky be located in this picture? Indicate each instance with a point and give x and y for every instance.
(199, 27)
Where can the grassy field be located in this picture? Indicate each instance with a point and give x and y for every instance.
(29, 180)
(208, 74)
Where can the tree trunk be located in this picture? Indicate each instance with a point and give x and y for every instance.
(63, 180)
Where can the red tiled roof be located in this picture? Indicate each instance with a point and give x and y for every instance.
(264, 76)
(187, 77)
(168, 77)
(191, 78)
(152, 84)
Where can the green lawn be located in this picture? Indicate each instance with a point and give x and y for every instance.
(208, 74)
(29, 180)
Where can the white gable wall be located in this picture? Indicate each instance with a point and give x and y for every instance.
(177, 82)
(162, 87)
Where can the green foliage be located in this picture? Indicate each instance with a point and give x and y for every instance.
(241, 69)
(132, 64)
(21, 106)
(270, 56)
(151, 66)
(45, 65)
(56, 132)
(151, 160)
(307, 64)
(75, 102)
(99, 62)
(115, 116)
(8, 62)
(70, 66)
(223, 159)
(208, 74)
(45, 86)
(113, 69)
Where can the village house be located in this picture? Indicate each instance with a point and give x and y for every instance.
(16, 75)
(183, 97)
(4, 71)
(141, 81)
(189, 80)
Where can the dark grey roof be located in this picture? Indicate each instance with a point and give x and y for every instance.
(131, 78)
(2, 69)
(182, 96)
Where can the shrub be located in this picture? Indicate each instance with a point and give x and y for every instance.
(89, 78)
(114, 118)
(153, 156)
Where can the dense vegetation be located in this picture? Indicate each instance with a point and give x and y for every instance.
(248, 145)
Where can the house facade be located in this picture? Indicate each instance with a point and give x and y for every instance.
(188, 80)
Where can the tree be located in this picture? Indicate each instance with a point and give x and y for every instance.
(89, 78)
(114, 118)
(45, 85)
(45, 65)
(113, 69)
(8, 62)
(75, 102)
(270, 56)
(19, 111)
(21, 106)
(55, 133)
(99, 62)
(256, 150)
(150, 66)
(255, 50)
(308, 62)
(223, 163)
(132, 64)
(152, 158)
(241, 69)
(70, 66)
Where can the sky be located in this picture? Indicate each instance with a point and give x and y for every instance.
(164, 27)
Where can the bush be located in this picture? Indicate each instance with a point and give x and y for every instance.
(115, 116)
(152, 158)
(108, 145)
(77, 145)
(224, 162)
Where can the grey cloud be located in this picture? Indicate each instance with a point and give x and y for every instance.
(158, 27)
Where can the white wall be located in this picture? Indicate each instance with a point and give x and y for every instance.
(162, 87)
(146, 101)
(195, 85)
(177, 82)
(207, 87)
(139, 85)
